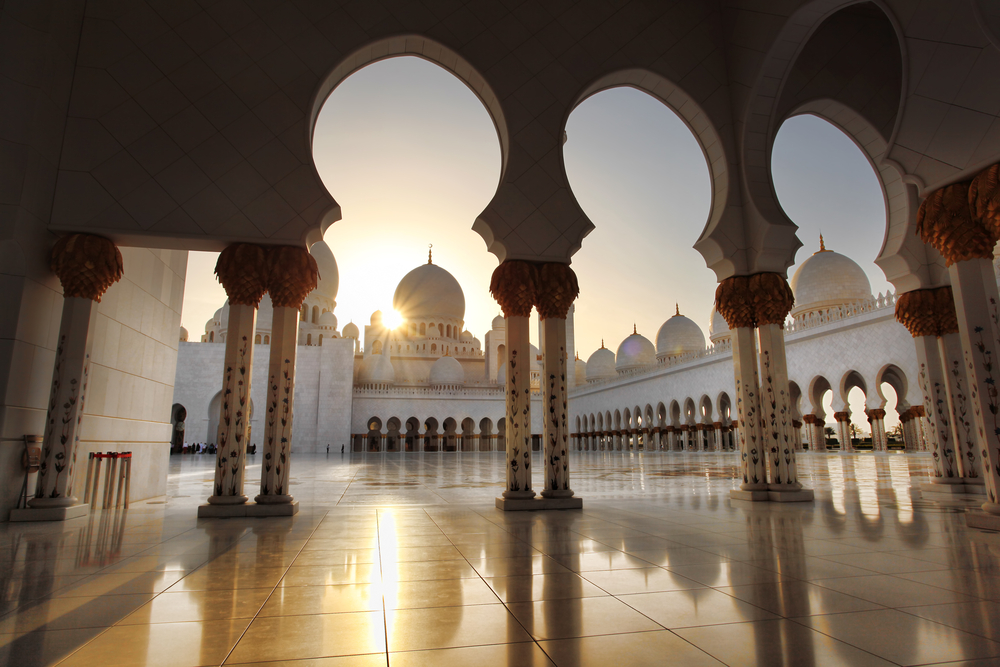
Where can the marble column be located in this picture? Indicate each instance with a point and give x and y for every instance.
(962, 222)
(810, 421)
(292, 274)
(556, 290)
(514, 286)
(718, 437)
(876, 419)
(87, 266)
(776, 401)
(242, 270)
(967, 451)
(797, 434)
(843, 418)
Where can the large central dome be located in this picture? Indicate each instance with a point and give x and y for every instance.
(429, 292)
(828, 280)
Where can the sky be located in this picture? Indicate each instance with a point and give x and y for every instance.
(412, 157)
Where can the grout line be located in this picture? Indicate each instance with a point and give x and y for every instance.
(385, 621)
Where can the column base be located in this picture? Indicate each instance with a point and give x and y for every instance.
(982, 520)
(50, 513)
(557, 493)
(527, 494)
(273, 500)
(520, 504)
(789, 496)
(227, 500)
(208, 511)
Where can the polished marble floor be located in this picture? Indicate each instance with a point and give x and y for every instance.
(402, 560)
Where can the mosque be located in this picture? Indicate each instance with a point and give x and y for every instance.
(135, 132)
(430, 384)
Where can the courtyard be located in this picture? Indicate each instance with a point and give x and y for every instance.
(403, 560)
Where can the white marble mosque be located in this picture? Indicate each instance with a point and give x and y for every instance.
(431, 385)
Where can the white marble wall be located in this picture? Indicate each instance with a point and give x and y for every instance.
(134, 364)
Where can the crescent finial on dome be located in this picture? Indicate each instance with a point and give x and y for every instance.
(822, 246)
(634, 332)
(677, 309)
(602, 343)
(429, 247)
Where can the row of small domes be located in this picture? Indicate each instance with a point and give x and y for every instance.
(378, 369)
(825, 280)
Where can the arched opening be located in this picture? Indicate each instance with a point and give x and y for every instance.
(376, 346)
(392, 438)
(412, 438)
(449, 444)
(409, 139)
(267, 340)
(821, 405)
(855, 393)
(642, 176)
(178, 423)
(309, 339)
(892, 387)
(374, 437)
(315, 315)
(320, 339)
(431, 435)
(211, 336)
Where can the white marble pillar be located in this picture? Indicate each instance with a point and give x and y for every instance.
(66, 402)
(775, 402)
(518, 444)
(876, 418)
(274, 469)
(718, 437)
(234, 417)
(752, 455)
(843, 418)
(967, 452)
(555, 428)
(87, 266)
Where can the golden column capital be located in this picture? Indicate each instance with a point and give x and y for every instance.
(945, 221)
(876, 413)
(87, 265)
(292, 274)
(842, 416)
(927, 312)
(984, 199)
(753, 301)
(242, 270)
(809, 419)
(514, 286)
(557, 288)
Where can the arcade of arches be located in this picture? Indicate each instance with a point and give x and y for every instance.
(136, 131)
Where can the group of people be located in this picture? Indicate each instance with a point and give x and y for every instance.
(209, 448)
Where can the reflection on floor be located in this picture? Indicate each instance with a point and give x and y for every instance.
(403, 560)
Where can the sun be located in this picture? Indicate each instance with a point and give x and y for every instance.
(392, 319)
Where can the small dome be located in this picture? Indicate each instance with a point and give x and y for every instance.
(429, 291)
(718, 330)
(184, 335)
(376, 320)
(828, 280)
(351, 331)
(329, 275)
(499, 322)
(601, 364)
(467, 336)
(679, 335)
(580, 371)
(636, 351)
(328, 320)
(377, 369)
(447, 370)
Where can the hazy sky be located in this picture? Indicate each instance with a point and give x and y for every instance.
(412, 157)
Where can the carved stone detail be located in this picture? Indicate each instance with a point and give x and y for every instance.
(242, 270)
(87, 265)
(557, 288)
(514, 286)
(753, 301)
(984, 199)
(945, 221)
(927, 312)
(292, 274)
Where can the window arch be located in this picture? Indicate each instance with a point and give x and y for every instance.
(449, 331)
(441, 330)
(423, 329)
(256, 339)
(434, 347)
(376, 346)
(321, 339)
(267, 340)
(305, 312)
(315, 315)
(309, 339)
(211, 336)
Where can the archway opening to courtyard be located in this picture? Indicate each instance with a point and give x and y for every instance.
(640, 174)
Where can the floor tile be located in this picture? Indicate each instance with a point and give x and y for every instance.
(604, 560)
(297, 600)
(41, 649)
(635, 649)
(212, 577)
(701, 606)
(968, 582)
(797, 598)
(552, 586)
(639, 580)
(160, 645)
(212, 605)
(427, 571)
(903, 638)
(979, 618)
(511, 567)
(72, 612)
(776, 643)
(311, 636)
(126, 583)
(447, 627)
(891, 591)
(369, 660)
(329, 575)
(522, 654)
(730, 573)
(561, 619)
(437, 593)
